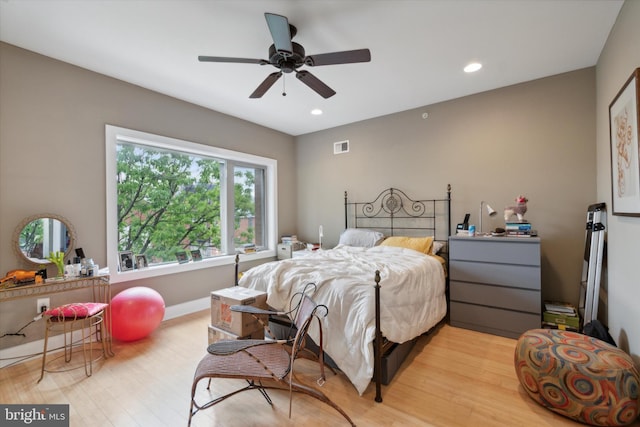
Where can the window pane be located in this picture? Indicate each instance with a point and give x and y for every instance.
(167, 196)
(249, 215)
(168, 201)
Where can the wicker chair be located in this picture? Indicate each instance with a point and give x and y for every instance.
(256, 361)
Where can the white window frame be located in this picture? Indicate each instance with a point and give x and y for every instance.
(115, 135)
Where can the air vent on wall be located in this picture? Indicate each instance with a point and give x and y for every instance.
(341, 147)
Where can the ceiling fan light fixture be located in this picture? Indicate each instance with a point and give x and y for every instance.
(472, 67)
(316, 112)
(288, 56)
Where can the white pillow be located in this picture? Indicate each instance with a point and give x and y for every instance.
(436, 246)
(361, 237)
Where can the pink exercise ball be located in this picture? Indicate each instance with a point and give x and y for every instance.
(135, 313)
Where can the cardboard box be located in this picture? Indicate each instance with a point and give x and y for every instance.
(240, 324)
(217, 334)
(561, 319)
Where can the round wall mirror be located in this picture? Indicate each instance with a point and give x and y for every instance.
(39, 235)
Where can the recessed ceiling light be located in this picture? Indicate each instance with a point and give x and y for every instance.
(473, 67)
(316, 111)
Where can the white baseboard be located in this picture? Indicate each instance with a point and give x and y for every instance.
(187, 308)
(23, 352)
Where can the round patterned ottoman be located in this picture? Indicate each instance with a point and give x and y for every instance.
(578, 376)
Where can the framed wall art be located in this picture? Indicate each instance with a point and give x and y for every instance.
(624, 120)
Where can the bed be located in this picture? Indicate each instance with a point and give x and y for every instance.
(383, 284)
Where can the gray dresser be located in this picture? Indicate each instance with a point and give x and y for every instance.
(495, 284)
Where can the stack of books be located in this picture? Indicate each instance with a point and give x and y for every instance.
(248, 248)
(560, 315)
(520, 229)
(289, 239)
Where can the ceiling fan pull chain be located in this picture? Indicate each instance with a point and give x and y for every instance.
(284, 92)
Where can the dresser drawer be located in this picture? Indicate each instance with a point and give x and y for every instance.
(497, 296)
(492, 320)
(518, 276)
(514, 250)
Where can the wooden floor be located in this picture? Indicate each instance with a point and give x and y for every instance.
(454, 377)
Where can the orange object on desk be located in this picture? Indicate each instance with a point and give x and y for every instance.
(19, 276)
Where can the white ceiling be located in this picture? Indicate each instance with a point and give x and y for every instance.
(418, 49)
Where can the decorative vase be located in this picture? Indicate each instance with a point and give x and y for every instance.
(57, 258)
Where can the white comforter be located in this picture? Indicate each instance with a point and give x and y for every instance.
(412, 293)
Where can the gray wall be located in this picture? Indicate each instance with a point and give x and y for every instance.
(535, 139)
(619, 58)
(52, 159)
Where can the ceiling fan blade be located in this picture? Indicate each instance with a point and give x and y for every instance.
(234, 60)
(266, 84)
(344, 57)
(280, 32)
(314, 83)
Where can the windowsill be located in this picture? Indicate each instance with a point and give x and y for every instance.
(175, 268)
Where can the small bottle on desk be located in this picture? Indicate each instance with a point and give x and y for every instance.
(69, 270)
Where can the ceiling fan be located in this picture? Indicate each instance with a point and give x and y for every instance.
(287, 56)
